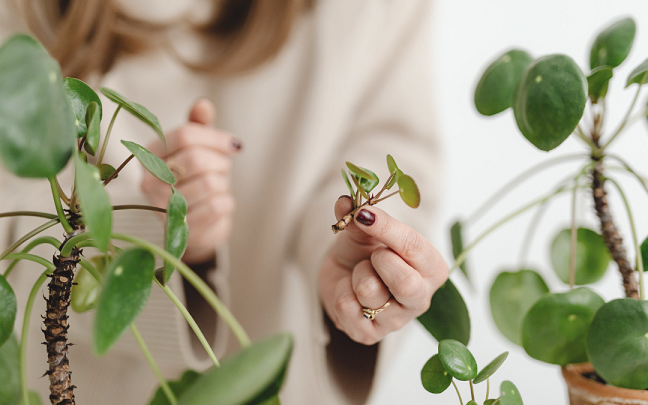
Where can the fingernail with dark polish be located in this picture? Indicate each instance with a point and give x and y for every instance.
(366, 217)
(236, 145)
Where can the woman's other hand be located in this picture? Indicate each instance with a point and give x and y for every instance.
(375, 260)
(200, 157)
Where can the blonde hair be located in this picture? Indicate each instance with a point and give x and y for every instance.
(88, 36)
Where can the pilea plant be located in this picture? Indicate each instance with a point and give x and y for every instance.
(45, 123)
(549, 96)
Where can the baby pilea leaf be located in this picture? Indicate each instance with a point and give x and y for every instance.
(612, 46)
(139, 111)
(105, 171)
(456, 239)
(152, 163)
(598, 81)
(409, 192)
(93, 121)
(457, 360)
(80, 96)
(491, 368)
(8, 310)
(509, 394)
(176, 230)
(639, 75)
(434, 376)
(348, 183)
(592, 256)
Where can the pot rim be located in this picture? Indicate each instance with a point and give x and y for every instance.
(572, 373)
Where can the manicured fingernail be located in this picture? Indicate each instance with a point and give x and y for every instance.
(366, 217)
(236, 145)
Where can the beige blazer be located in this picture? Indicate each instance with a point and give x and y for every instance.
(352, 83)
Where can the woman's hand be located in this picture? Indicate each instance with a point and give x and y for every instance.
(375, 260)
(199, 156)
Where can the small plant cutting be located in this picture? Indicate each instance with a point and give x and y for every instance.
(47, 122)
(553, 99)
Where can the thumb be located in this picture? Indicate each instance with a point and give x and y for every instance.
(202, 112)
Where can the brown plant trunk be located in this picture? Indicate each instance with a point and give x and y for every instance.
(611, 235)
(56, 326)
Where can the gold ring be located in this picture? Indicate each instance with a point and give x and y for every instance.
(371, 313)
(175, 167)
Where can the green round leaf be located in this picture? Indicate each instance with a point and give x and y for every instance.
(597, 82)
(471, 403)
(80, 96)
(550, 100)
(592, 256)
(490, 401)
(243, 377)
(511, 297)
(391, 164)
(139, 111)
(555, 328)
(367, 179)
(509, 394)
(639, 75)
(456, 238)
(87, 289)
(7, 311)
(95, 203)
(617, 343)
(178, 387)
(434, 377)
(152, 163)
(105, 171)
(496, 88)
(644, 254)
(409, 192)
(93, 121)
(177, 229)
(491, 368)
(125, 291)
(393, 169)
(10, 372)
(37, 130)
(613, 44)
(447, 317)
(457, 360)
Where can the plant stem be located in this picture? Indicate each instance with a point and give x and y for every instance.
(487, 388)
(194, 280)
(28, 236)
(138, 207)
(107, 137)
(625, 119)
(639, 258)
(573, 239)
(629, 169)
(59, 208)
(33, 258)
(71, 243)
(156, 370)
(119, 169)
(91, 269)
(64, 197)
(516, 181)
(39, 241)
(384, 187)
(192, 323)
(25, 331)
(28, 214)
(458, 394)
(376, 200)
(472, 390)
(579, 132)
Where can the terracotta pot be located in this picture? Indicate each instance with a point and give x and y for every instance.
(583, 391)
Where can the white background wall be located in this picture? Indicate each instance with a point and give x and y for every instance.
(484, 153)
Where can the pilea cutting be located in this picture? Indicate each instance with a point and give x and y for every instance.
(46, 123)
(549, 96)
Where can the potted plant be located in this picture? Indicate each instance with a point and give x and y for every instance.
(46, 123)
(553, 99)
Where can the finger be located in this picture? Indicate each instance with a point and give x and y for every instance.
(368, 287)
(198, 161)
(353, 245)
(203, 186)
(155, 190)
(406, 284)
(192, 135)
(203, 112)
(402, 239)
(204, 240)
(348, 315)
(210, 210)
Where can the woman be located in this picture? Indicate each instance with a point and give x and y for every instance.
(304, 88)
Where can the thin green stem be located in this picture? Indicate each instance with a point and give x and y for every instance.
(579, 132)
(28, 236)
(384, 187)
(66, 249)
(59, 208)
(573, 240)
(458, 394)
(196, 281)
(377, 200)
(107, 137)
(499, 194)
(138, 207)
(64, 197)
(25, 331)
(156, 370)
(472, 390)
(39, 241)
(487, 388)
(91, 269)
(28, 214)
(639, 265)
(629, 169)
(33, 258)
(190, 320)
(625, 119)
(460, 259)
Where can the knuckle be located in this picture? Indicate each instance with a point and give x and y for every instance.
(183, 136)
(412, 244)
(411, 286)
(344, 305)
(368, 286)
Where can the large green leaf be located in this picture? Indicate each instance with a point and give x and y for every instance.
(491, 368)
(555, 328)
(644, 254)
(9, 372)
(550, 100)
(139, 111)
(95, 203)
(509, 394)
(37, 130)
(447, 317)
(178, 387)
(511, 296)
(86, 290)
(613, 44)
(639, 75)
(80, 96)
(93, 121)
(598, 81)
(243, 377)
(617, 343)
(408, 190)
(496, 88)
(456, 239)
(434, 376)
(152, 163)
(177, 229)
(457, 360)
(592, 256)
(7, 310)
(124, 294)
